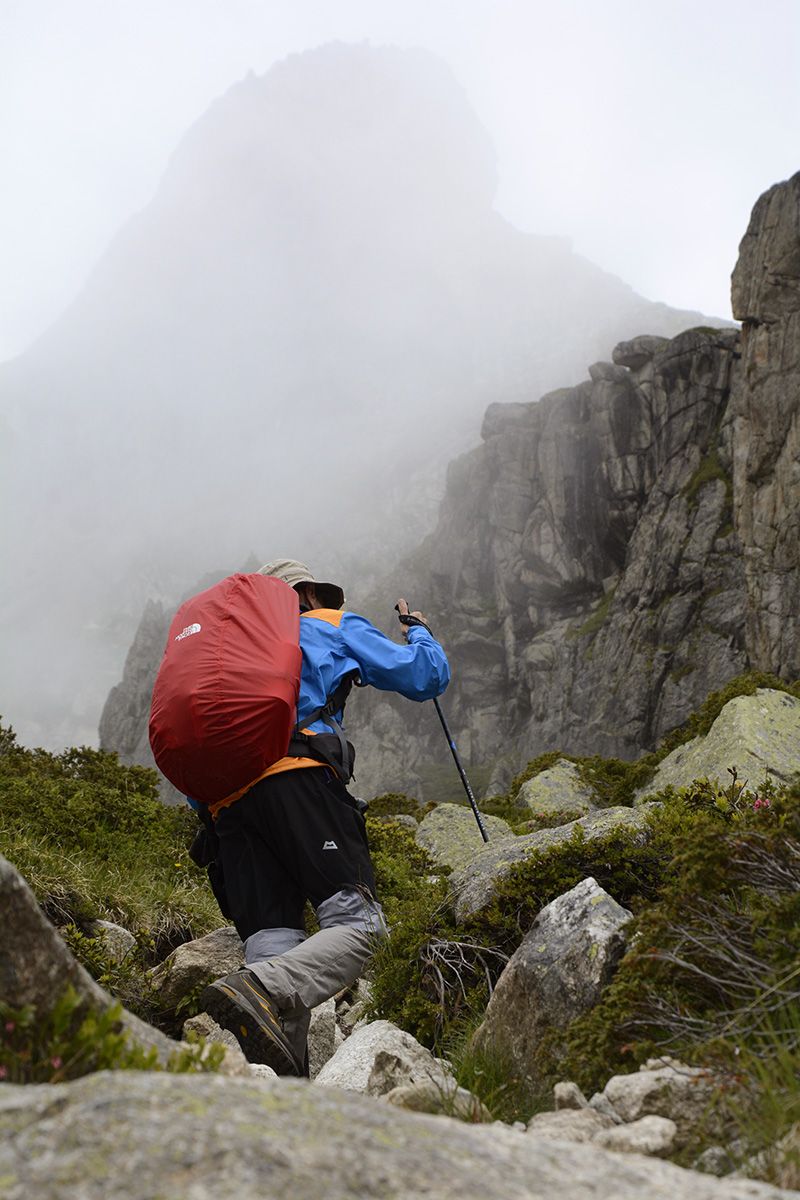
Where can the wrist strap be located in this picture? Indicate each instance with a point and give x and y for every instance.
(407, 619)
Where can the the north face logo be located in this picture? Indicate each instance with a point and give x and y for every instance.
(190, 629)
(330, 846)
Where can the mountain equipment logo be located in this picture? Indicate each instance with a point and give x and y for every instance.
(330, 846)
(188, 631)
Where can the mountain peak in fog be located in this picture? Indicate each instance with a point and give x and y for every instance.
(281, 351)
(393, 122)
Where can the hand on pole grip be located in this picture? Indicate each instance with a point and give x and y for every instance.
(408, 619)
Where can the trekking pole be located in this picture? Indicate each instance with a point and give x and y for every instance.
(413, 621)
(461, 771)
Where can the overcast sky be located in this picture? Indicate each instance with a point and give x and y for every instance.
(645, 133)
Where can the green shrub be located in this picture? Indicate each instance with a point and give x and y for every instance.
(506, 809)
(401, 866)
(126, 979)
(550, 819)
(71, 1041)
(393, 804)
(714, 957)
(430, 977)
(93, 840)
(762, 1101)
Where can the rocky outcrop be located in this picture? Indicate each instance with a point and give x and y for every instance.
(558, 972)
(590, 544)
(616, 551)
(451, 835)
(475, 884)
(757, 736)
(36, 966)
(765, 293)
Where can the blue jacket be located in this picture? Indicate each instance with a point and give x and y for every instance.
(335, 643)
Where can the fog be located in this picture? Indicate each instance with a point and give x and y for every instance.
(258, 313)
(632, 129)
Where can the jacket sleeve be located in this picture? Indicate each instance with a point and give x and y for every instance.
(418, 670)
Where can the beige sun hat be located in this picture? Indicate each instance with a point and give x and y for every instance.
(295, 573)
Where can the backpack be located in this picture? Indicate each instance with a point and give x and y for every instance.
(225, 698)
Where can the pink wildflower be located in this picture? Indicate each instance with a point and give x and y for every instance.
(56, 1062)
(3, 1072)
(10, 1027)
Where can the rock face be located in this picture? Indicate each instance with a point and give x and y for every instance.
(589, 546)
(765, 292)
(616, 551)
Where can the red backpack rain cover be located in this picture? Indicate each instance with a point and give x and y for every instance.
(225, 697)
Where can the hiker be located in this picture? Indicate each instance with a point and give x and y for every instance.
(297, 834)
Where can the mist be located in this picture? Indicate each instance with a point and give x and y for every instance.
(632, 131)
(278, 354)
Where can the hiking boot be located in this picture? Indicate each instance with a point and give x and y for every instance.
(240, 1003)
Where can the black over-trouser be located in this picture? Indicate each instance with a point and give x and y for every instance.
(294, 836)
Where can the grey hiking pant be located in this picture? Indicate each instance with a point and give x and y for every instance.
(315, 968)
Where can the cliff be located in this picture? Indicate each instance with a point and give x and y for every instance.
(765, 294)
(615, 551)
(611, 590)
